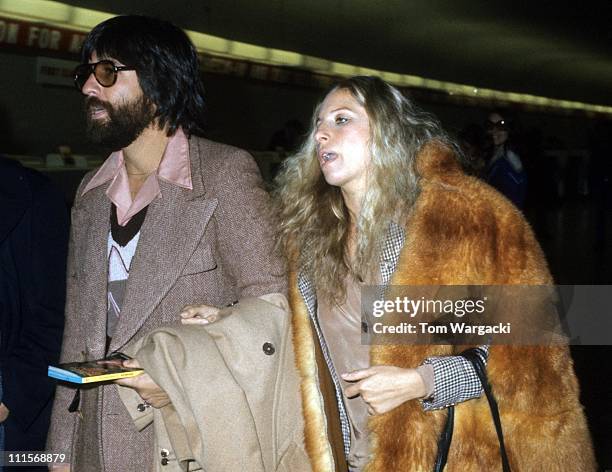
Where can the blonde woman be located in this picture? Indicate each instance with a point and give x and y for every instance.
(376, 196)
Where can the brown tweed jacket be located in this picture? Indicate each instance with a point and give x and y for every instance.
(212, 244)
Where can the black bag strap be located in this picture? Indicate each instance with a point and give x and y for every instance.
(445, 440)
(475, 357)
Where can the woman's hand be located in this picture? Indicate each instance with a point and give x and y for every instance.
(144, 385)
(384, 387)
(199, 314)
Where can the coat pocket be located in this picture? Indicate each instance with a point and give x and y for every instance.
(202, 260)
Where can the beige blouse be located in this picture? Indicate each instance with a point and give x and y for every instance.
(341, 327)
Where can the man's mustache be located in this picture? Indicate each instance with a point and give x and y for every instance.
(91, 102)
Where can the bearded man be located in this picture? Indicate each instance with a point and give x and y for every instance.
(169, 220)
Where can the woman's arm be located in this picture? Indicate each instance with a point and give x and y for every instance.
(384, 388)
(455, 381)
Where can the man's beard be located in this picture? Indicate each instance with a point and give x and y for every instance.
(123, 124)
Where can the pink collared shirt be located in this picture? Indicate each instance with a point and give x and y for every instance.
(174, 168)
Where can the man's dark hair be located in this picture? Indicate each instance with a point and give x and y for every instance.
(166, 63)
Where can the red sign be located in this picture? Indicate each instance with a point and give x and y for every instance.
(39, 37)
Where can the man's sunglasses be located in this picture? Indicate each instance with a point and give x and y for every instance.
(104, 71)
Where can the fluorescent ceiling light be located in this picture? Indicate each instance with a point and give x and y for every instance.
(84, 19)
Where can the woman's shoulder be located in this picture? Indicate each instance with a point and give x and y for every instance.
(514, 160)
(467, 205)
(466, 220)
(446, 189)
(222, 164)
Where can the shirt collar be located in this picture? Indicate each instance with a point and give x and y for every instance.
(174, 167)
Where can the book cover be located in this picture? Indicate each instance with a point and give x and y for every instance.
(92, 371)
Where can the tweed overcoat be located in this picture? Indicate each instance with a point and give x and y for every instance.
(460, 232)
(211, 245)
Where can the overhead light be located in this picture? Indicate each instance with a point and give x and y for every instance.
(83, 19)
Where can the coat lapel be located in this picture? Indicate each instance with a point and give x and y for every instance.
(307, 291)
(91, 218)
(391, 251)
(172, 229)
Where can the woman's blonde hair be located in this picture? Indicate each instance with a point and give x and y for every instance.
(314, 221)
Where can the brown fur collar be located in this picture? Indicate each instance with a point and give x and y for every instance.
(463, 232)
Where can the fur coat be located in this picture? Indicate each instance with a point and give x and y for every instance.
(460, 232)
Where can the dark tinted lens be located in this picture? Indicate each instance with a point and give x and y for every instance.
(499, 125)
(105, 73)
(81, 73)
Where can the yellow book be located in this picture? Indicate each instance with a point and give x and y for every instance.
(92, 371)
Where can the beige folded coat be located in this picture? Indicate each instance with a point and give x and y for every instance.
(234, 391)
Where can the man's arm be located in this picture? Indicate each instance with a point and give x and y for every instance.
(246, 226)
(246, 239)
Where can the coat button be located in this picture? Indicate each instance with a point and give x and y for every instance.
(164, 461)
(164, 452)
(141, 407)
(268, 349)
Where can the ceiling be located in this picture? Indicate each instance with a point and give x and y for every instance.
(554, 49)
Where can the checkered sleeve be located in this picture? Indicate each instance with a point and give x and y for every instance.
(455, 380)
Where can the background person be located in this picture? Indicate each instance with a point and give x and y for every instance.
(504, 170)
(33, 245)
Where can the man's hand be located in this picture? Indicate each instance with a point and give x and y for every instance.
(199, 314)
(4, 412)
(144, 385)
(384, 388)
